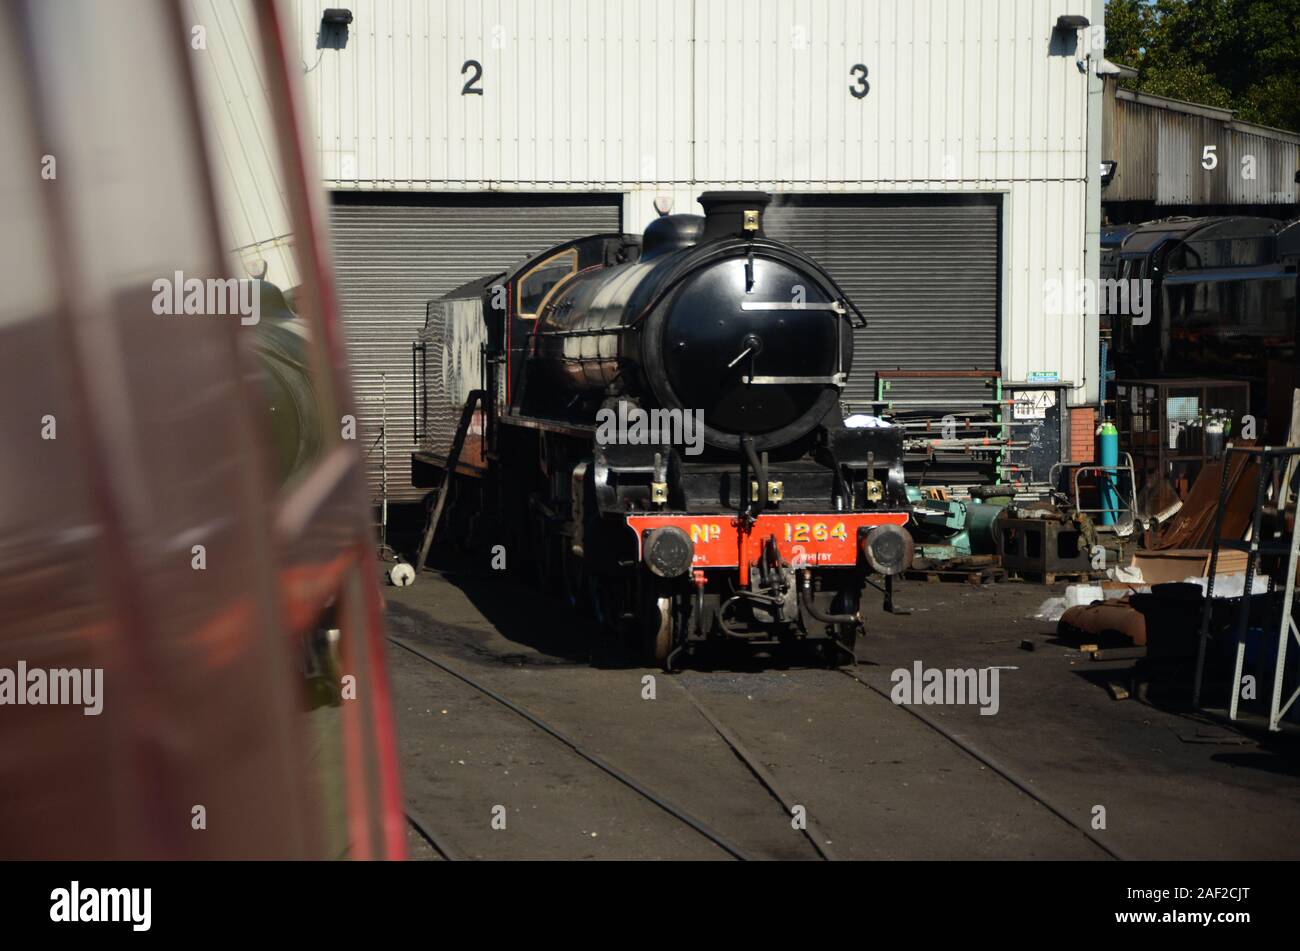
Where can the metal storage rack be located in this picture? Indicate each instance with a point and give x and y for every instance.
(984, 431)
(1172, 427)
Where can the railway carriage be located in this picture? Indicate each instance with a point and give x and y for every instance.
(655, 420)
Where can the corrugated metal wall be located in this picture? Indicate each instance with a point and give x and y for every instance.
(1160, 147)
(961, 91)
(393, 253)
(453, 339)
(673, 97)
(570, 93)
(655, 92)
(925, 272)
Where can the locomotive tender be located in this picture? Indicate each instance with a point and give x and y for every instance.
(765, 530)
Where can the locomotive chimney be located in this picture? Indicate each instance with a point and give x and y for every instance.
(734, 214)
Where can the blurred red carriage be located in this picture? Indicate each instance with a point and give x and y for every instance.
(213, 559)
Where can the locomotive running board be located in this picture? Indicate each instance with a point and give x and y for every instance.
(790, 305)
(837, 379)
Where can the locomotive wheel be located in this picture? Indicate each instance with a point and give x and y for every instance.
(541, 565)
(545, 556)
(840, 651)
(659, 641)
(574, 576)
(658, 628)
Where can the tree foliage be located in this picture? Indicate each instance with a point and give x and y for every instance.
(1242, 55)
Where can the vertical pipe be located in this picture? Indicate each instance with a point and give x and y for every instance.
(1006, 428)
(1095, 388)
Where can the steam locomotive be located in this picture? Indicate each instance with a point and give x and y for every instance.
(656, 420)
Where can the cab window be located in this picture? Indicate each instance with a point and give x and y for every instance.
(536, 286)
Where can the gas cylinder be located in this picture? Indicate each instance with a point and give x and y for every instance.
(1108, 456)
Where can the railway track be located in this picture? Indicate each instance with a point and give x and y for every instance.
(638, 787)
(815, 836)
(997, 767)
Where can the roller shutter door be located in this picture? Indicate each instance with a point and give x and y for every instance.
(393, 253)
(925, 270)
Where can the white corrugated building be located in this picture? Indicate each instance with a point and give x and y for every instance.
(940, 157)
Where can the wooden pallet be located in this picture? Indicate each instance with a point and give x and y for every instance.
(1052, 577)
(981, 575)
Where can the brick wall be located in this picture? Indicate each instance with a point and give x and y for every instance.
(1083, 434)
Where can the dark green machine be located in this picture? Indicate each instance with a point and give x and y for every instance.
(953, 530)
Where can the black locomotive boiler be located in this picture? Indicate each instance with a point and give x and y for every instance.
(656, 420)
